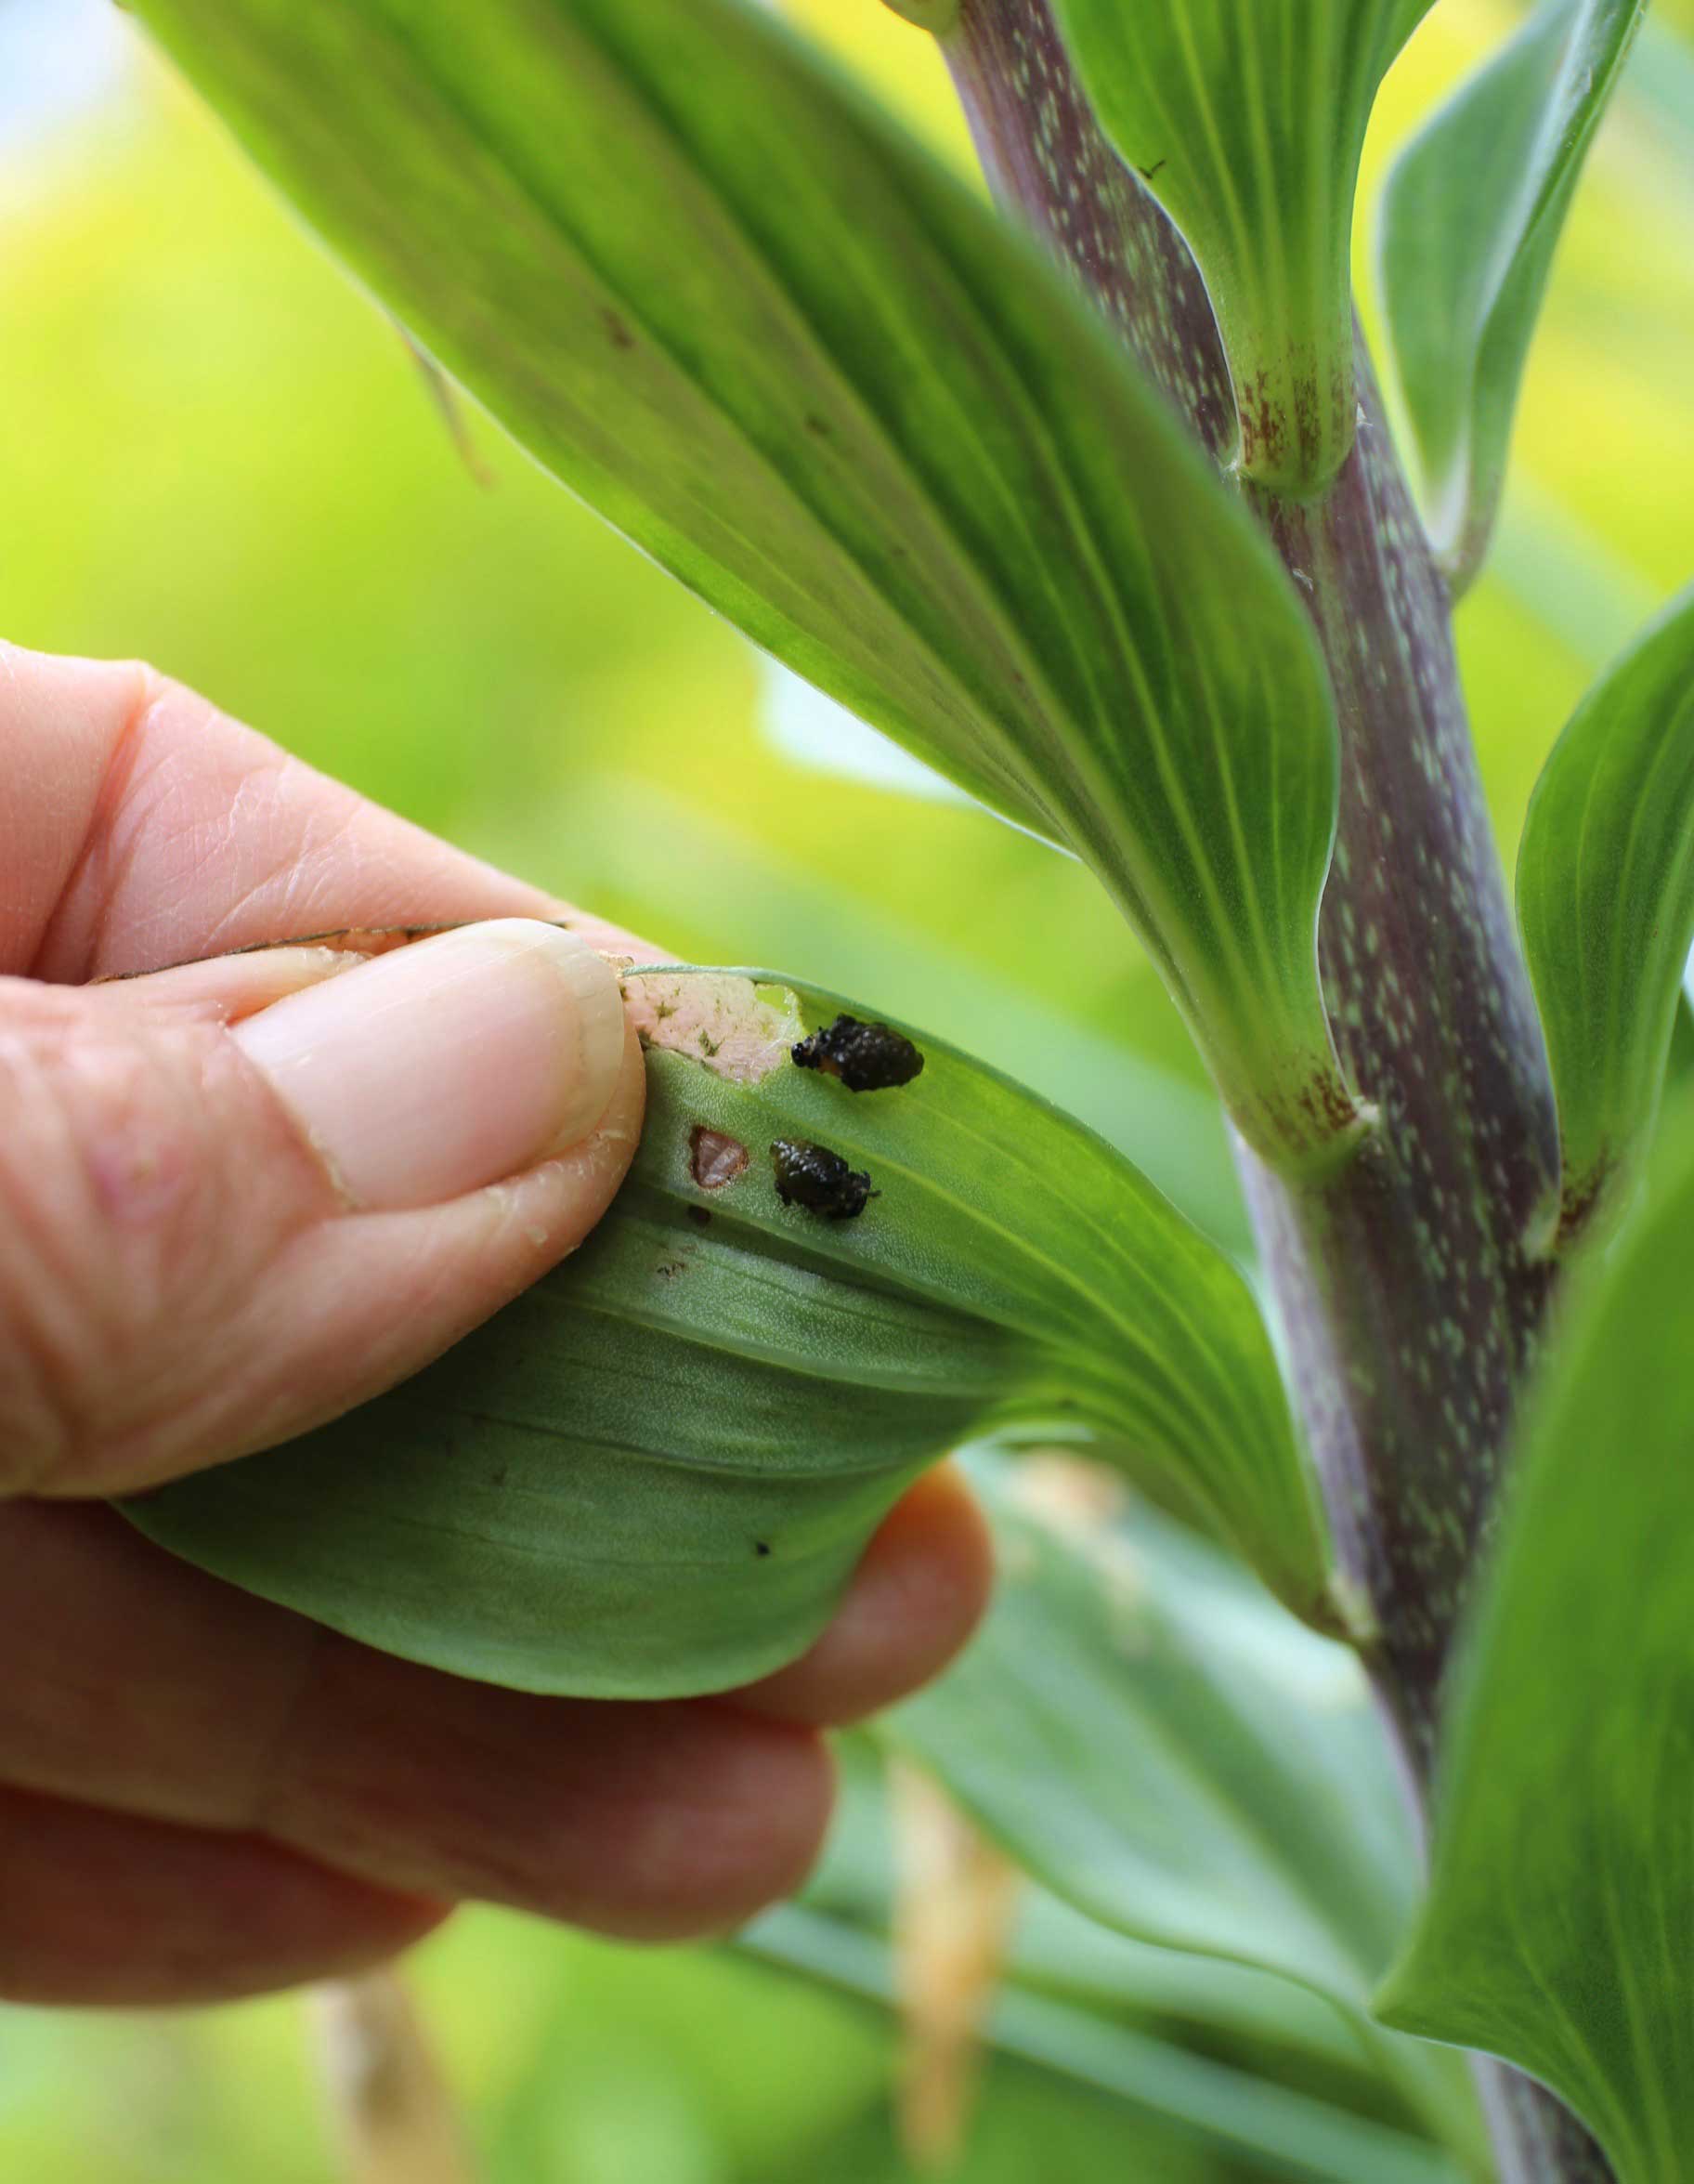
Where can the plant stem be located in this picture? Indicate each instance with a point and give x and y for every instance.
(1409, 1283)
(1044, 155)
(1411, 1300)
(1410, 1303)
(1537, 2140)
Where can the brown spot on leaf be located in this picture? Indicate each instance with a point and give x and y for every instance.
(617, 328)
(714, 1158)
(1579, 1198)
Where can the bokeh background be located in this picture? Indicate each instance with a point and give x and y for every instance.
(215, 454)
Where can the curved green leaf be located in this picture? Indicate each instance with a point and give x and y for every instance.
(1281, 2131)
(1155, 1743)
(1160, 1745)
(1246, 118)
(1100, 1977)
(1471, 215)
(656, 1470)
(1557, 1928)
(1050, 1946)
(1606, 905)
(746, 319)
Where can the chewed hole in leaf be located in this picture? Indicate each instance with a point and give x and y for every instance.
(739, 1030)
(714, 1158)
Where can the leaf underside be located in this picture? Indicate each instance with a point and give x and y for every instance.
(1605, 905)
(1471, 215)
(656, 1470)
(1247, 119)
(1560, 1939)
(758, 328)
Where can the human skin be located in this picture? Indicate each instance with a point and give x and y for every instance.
(202, 1795)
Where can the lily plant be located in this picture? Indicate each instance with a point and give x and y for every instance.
(1085, 493)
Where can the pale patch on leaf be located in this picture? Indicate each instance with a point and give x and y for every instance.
(739, 1029)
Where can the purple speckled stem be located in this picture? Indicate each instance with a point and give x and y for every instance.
(1412, 1307)
(1044, 155)
(1409, 1303)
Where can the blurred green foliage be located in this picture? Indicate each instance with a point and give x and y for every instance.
(214, 452)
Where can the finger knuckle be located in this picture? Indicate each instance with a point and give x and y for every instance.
(114, 1226)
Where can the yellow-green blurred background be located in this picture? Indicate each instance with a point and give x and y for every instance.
(214, 452)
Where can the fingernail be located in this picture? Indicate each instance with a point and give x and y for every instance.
(450, 1064)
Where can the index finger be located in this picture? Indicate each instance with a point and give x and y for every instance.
(143, 827)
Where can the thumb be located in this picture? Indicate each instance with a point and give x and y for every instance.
(237, 1200)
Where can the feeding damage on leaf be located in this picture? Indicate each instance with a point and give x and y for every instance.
(743, 1030)
(714, 1158)
(739, 1029)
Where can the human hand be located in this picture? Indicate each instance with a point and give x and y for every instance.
(235, 1199)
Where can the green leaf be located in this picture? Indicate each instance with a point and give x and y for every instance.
(1470, 219)
(1054, 1948)
(754, 324)
(656, 1470)
(1606, 905)
(1104, 1060)
(1246, 118)
(1160, 1745)
(1557, 1928)
(1143, 2022)
(1280, 2130)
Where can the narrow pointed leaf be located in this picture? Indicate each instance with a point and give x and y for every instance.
(1282, 2132)
(1052, 1946)
(1470, 219)
(741, 314)
(1562, 1899)
(1064, 1953)
(656, 1470)
(1606, 904)
(1164, 1749)
(1247, 118)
